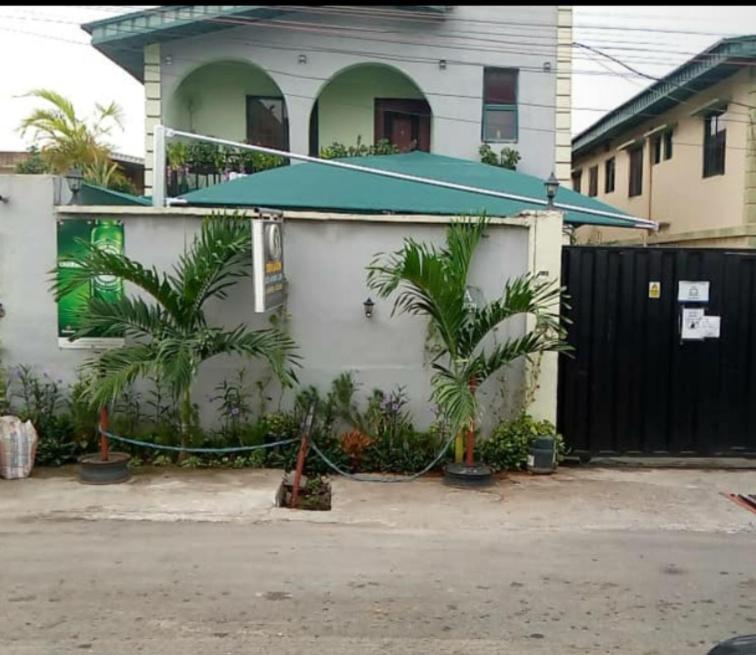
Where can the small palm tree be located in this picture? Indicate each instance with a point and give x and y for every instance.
(66, 139)
(169, 336)
(432, 281)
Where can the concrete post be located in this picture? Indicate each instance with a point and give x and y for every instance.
(545, 259)
(152, 108)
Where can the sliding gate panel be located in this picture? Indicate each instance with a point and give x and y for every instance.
(636, 383)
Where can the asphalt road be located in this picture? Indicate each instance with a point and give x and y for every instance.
(125, 587)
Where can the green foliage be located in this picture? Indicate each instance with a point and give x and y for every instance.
(432, 282)
(338, 150)
(168, 336)
(203, 158)
(235, 410)
(507, 158)
(509, 445)
(41, 400)
(33, 165)
(394, 445)
(67, 140)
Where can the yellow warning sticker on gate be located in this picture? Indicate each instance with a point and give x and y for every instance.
(654, 290)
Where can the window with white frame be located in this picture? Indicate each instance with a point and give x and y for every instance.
(499, 105)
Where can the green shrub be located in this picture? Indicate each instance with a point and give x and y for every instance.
(507, 158)
(33, 165)
(509, 445)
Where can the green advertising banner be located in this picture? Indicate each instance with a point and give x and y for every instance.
(72, 235)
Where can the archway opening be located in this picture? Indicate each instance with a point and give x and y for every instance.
(371, 104)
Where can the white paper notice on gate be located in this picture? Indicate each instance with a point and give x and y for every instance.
(688, 291)
(692, 324)
(711, 326)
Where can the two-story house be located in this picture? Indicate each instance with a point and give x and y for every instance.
(682, 153)
(443, 79)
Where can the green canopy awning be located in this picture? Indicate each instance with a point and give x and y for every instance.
(317, 187)
(91, 194)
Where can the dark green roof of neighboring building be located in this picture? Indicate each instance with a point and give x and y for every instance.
(91, 194)
(318, 187)
(720, 61)
(122, 38)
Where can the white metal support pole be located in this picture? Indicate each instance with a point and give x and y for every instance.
(170, 132)
(158, 167)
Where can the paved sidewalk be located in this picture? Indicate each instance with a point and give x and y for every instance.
(573, 499)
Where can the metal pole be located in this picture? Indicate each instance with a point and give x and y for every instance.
(641, 222)
(158, 167)
(304, 446)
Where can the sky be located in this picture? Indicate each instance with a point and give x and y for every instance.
(54, 53)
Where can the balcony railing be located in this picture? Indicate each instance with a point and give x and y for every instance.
(192, 166)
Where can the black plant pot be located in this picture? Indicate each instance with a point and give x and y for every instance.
(93, 470)
(462, 475)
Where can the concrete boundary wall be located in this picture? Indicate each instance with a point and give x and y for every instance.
(325, 259)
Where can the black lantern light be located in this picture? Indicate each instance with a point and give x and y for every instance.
(368, 306)
(74, 178)
(552, 185)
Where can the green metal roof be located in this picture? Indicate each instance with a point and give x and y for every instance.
(317, 187)
(707, 68)
(122, 38)
(91, 194)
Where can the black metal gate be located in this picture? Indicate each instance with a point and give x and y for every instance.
(634, 385)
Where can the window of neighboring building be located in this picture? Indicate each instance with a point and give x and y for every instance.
(593, 181)
(636, 171)
(609, 175)
(668, 144)
(714, 143)
(656, 148)
(576, 177)
(267, 123)
(499, 104)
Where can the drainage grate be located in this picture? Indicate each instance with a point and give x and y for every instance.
(744, 500)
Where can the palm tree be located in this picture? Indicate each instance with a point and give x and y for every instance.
(432, 281)
(67, 140)
(168, 337)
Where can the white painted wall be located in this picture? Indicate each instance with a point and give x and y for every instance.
(413, 47)
(325, 265)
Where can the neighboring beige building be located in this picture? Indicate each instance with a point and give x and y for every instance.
(682, 153)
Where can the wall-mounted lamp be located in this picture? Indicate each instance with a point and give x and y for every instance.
(442, 64)
(302, 59)
(2, 311)
(168, 60)
(552, 185)
(368, 307)
(4, 199)
(74, 178)
(547, 66)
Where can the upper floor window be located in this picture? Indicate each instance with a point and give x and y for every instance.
(668, 144)
(656, 149)
(636, 171)
(499, 104)
(714, 143)
(593, 181)
(267, 123)
(609, 170)
(576, 178)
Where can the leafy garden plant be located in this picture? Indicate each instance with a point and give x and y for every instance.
(509, 445)
(168, 335)
(431, 281)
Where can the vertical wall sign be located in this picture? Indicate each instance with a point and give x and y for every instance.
(73, 235)
(268, 263)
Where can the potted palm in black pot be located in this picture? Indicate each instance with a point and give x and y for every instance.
(431, 281)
